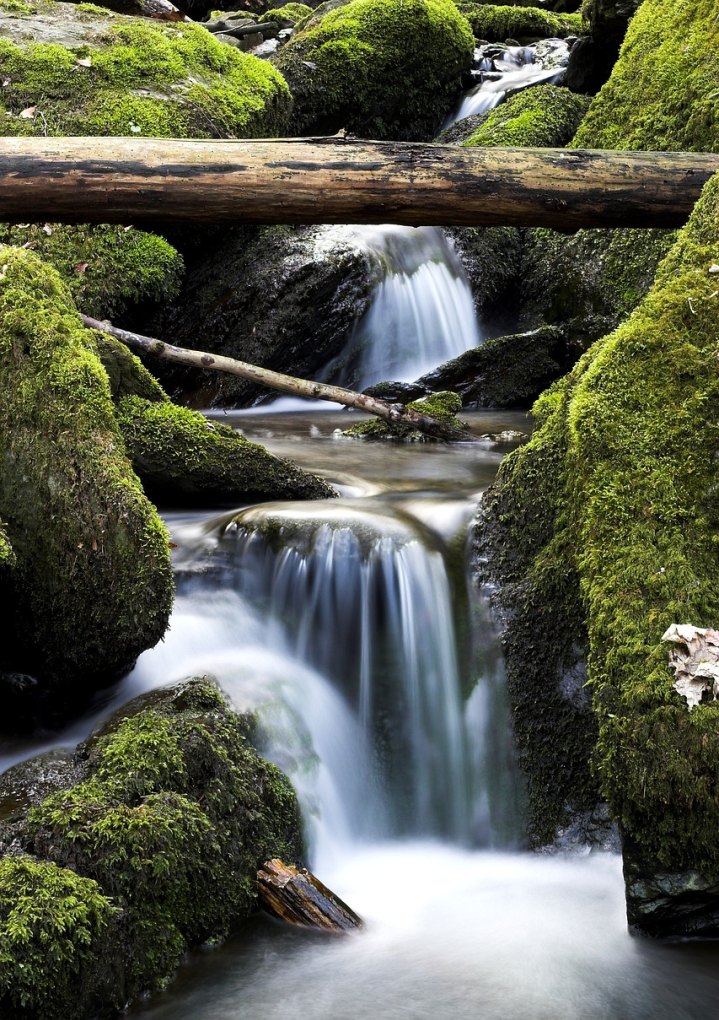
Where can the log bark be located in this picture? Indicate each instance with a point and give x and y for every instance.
(299, 898)
(343, 180)
(393, 414)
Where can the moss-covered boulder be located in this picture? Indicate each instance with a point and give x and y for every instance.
(495, 23)
(71, 69)
(287, 15)
(182, 457)
(611, 505)
(442, 406)
(92, 583)
(545, 116)
(379, 68)
(157, 846)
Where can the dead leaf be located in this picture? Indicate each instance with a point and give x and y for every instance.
(85, 62)
(47, 229)
(81, 267)
(714, 268)
(695, 662)
(28, 244)
(28, 113)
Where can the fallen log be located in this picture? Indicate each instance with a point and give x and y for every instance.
(343, 180)
(299, 898)
(394, 414)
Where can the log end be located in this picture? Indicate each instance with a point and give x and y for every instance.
(298, 897)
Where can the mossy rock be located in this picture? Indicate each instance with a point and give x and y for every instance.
(92, 581)
(497, 23)
(443, 406)
(165, 831)
(82, 70)
(288, 14)
(107, 268)
(619, 478)
(662, 92)
(545, 116)
(379, 68)
(506, 371)
(182, 457)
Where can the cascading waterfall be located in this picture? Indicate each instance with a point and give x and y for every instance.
(422, 312)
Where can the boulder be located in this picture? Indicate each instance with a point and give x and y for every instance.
(152, 848)
(496, 22)
(379, 68)
(91, 583)
(545, 116)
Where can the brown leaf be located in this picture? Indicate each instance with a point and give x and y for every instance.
(85, 62)
(81, 267)
(47, 229)
(28, 113)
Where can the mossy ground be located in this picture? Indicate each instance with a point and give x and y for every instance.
(380, 68)
(83, 533)
(544, 116)
(496, 23)
(165, 833)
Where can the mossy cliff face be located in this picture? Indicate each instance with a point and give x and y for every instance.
(79, 70)
(495, 22)
(92, 580)
(622, 510)
(159, 842)
(380, 68)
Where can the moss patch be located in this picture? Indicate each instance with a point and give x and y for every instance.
(544, 116)
(88, 544)
(181, 456)
(442, 406)
(107, 268)
(496, 23)
(287, 14)
(662, 91)
(53, 926)
(380, 68)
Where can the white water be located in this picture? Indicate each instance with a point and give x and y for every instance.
(422, 312)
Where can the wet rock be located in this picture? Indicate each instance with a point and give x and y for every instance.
(282, 297)
(593, 57)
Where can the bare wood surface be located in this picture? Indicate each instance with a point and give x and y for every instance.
(297, 896)
(394, 414)
(343, 180)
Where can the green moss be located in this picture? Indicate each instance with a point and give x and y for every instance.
(107, 268)
(174, 817)
(545, 116)
(88, 544)
(17, 7)
(496, 23)
(53, 927)
(290, 13)
(630, 440)
(442, 406)
(180, 455)
(144, 78)
(7, 557)
(662, 91)
(380, 68)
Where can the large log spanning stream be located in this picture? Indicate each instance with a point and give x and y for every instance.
(344, 180)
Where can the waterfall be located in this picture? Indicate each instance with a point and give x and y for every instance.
(422, 312)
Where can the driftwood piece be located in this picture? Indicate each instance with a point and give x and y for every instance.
(343, 180)
(395, 414)
(298, 897)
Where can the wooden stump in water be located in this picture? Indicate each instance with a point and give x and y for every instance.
(297, 896)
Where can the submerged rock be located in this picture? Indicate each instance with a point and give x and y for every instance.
(153, 851)
(343, 68)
